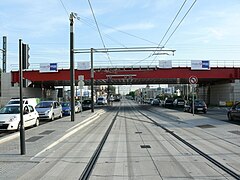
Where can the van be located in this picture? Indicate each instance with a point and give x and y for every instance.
(31, 101)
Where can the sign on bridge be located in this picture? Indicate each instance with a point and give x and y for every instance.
(193, 80)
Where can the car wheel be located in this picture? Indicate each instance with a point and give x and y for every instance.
(52, 118)
(36, 123)
(230, 118)
(204, 112)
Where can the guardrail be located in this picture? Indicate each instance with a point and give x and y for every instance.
(144, 64)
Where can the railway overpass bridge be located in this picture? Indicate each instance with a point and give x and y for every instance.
(131, 76)
(215, 84)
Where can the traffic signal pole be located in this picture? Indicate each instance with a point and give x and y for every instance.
(21, 128)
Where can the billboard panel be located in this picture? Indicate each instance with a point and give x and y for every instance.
(48, 67)
(200, 65)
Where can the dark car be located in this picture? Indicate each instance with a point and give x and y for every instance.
(199, 106)
(155, 102)
(86, 104)
(168, 102)
(179, 102)
(234, 112)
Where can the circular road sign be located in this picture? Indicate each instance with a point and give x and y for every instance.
(193, 80)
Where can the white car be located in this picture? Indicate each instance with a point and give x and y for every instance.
(10, 117)
(49, 110)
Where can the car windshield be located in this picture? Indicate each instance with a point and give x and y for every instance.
(100, 99)
(199, 103)
(44, 105)
(10, 110)
(87, 102)
(65, 104)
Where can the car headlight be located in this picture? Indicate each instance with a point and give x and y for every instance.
(47, 112)
(14, 118)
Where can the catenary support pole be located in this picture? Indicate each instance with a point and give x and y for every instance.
(72, 70)
(92, 81)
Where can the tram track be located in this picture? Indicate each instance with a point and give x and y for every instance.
(86, 174)
(93, 160)
(199, 151)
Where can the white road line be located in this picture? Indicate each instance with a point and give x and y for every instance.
(77, 128)
(10, 137)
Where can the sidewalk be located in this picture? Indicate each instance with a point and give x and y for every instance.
(37, 141)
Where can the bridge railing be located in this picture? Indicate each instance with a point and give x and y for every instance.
(98, 65)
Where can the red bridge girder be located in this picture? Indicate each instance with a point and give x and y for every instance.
(132, 75)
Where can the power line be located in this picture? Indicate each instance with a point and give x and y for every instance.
(180, 22)
(166, 32)
(109, 37)
(172, 22)
(64, 8)
(177, 25)
(98, 29)
(129, 34)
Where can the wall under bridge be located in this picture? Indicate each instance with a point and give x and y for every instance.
(220, 94)
(8, 91)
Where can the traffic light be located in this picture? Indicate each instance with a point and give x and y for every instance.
(25, 56)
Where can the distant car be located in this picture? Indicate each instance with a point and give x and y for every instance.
(178, 102)
(86, 104)
(101, 101)
(168, 102)
(199, 106)
(155, 102)
(234, 112)
(49, 110)
(10, 117)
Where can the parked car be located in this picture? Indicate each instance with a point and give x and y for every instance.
(199, 106)
(101, 101)
(66, 108)
(49, 110)
(31, 101)
(78, 106)
(155, 102)
(86, 104)
(234, 112)
(179, 102)
(10, 116)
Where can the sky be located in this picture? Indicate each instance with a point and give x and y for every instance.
(209, 31)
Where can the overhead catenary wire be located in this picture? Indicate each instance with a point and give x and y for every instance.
(172, 23)
(106, 35)
(159, 44)
(99, 32)
(64, 7)
(177, 25)
(180, 22)
(121, 31)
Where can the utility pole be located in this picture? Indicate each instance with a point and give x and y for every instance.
(72, 70)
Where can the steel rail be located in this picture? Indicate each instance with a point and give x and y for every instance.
(88, 169)
(215, 162)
